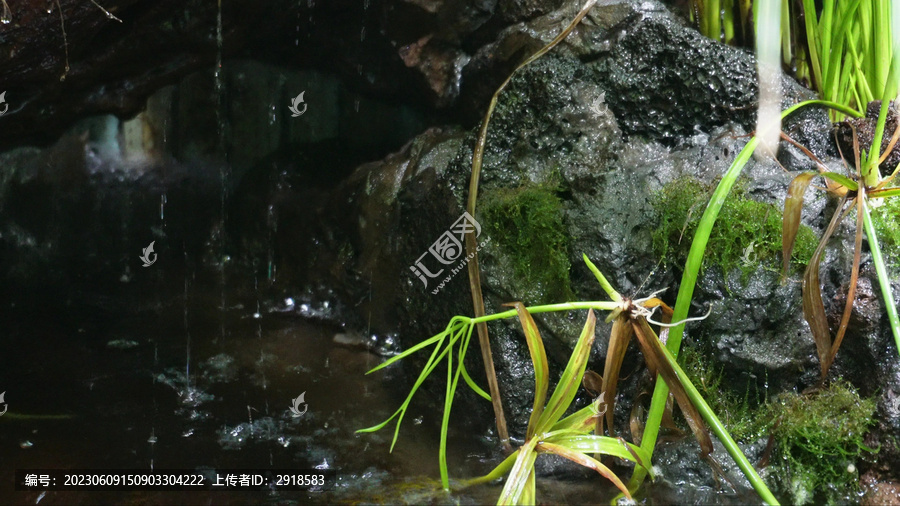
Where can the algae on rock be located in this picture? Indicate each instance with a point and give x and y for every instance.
(527, 224)
(747, 235)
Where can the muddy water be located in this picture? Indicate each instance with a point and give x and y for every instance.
(123, 394)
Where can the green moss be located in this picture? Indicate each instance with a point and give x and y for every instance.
(820, 438)
(527, 224)
(887, 225)
(747, 233)
(733, 410)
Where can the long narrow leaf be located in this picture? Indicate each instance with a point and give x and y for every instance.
(496, 473)
(793, 205)
(813, 307)
(653, 353)
(841, 180)
(854, 278)
(586, 461)
(881, 270)
(571, 378)
(619, 338)
(518, 477)
(590, 443)
(539, 359)
(607, 287)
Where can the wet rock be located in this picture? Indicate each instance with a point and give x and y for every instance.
(581, 128)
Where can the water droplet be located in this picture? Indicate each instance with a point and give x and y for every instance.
(26, 444)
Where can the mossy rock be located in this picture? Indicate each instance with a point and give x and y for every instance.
(526, 223)
(746, 236)
(820, 439)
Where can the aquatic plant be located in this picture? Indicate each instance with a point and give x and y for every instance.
(630, 318)
(841, 49)
(546, 434)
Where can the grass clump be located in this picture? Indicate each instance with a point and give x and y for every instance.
(746, 237)
(527, 224)
(820, 438)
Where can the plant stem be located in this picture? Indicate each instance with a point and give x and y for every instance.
(549, 308)
(689, 281)
(683, 302)
(719, 429)
(883, 279)
(471, 247)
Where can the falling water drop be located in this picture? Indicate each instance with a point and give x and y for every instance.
(356, 104)
(362, 34)
(162, 207)
(187, 332)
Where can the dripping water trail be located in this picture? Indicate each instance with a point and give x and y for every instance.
(224, 170)
(62, 24)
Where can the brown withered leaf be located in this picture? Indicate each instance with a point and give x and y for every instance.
(793, 205)
(651, 347)
(619, 338)
(813, 307)
(854, 278)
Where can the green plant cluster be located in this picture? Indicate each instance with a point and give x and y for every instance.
(820, 439)
(527, 224)
(747, 235)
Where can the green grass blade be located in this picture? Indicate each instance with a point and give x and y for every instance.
(586, 461)
(607, 287)
(889, 192)
(496, 473)
(431, 340)
(580, 422)
(883, 279)
(518, 476)
(570, 381)
(539, 360)
(445, 421)
(841, 180)
(591, 443)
